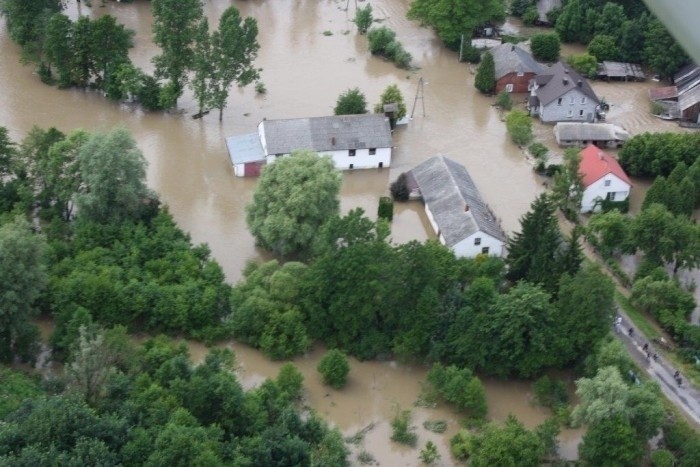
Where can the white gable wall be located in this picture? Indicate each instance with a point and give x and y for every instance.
(469, 249)
(361, 160)
(598, 190)
(572, 103)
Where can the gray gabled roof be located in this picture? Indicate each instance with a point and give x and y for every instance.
(335, 133)
(447, 189)
(245, 148)
(689, 98)
(559, 79)
(687, 78)
(572, 131)
(509, 58)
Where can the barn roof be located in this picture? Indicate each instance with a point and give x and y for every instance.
(559, 79)
(663, 93)
(335, 133)
(448, 190)
(595, 164)
(572, 131)
(245, 148)
(687, 78)
(689, 98)
(510, 58)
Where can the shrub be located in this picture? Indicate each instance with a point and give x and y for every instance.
(538, 150)
(485, 80)
(436, 426)
(550, 392)
(386, 208)
(519, 125)
(351, 102)
(334, 368)
(290, 380)
(531, 15)
(429, 454)
(546, 46)
(363, 19)
(663, 458)
(586, 64)
(402, 431)
(504, 101)
(471, 54)
(461, 445)
(656, 108)
(399, 189)
(260, 87)
(379, 39)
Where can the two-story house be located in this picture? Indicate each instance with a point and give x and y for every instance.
(515, 68)
(560, 94)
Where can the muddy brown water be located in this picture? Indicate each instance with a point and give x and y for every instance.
(304, 72)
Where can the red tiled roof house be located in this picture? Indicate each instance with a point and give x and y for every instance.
(603, 178)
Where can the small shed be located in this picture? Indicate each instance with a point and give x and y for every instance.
(620, 71)
(246, 154)
(581, 134)
(689, 105)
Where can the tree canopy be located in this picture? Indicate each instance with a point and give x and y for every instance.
(485, 80)
(351, 102)
(294, 197)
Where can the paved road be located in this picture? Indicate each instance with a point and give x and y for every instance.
(686, 397)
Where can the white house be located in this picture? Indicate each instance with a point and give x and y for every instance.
(559, 94)
(352, 141)
(603, 179)
(460, 218)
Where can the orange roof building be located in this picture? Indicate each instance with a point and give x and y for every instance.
(603, 179)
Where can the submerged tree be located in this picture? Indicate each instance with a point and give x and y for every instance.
(175, 25)
(351, 102)
(294, 197)
(485, 80)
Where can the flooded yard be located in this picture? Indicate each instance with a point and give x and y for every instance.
(304, 72)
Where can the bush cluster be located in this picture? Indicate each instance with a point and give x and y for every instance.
(382, 41)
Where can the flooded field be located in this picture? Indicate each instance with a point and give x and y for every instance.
(304, 72)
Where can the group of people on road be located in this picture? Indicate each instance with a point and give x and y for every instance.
(646, 349)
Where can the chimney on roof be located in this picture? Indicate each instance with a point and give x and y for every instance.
(333, 141)
(466, 208)
(565, 81)
(512, 48)
(580, 83)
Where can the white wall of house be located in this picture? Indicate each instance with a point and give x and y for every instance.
(431, 219)
(361, 160)
(261, 134)
(619, 191)
(575, 106)
(239, 170)
(476, 245)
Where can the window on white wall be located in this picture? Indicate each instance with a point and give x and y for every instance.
(485, 250)
(570, 114)
(607, 182)
(571, 100)
(477, 241)
(372, 151)
(351, 152)
(583, 100)
(580, 113)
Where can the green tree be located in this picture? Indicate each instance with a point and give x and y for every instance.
(303, 186)
(62, 179)
(174, 29)
(23, 282)
(203, 65)
(531, 255)
(391, 95)
(111, 44)
(611, 442)
(546, 46)
(26, 21)
(585, 63)
(504, 101)
(609, 231)
(611, 19)
(485, 80)
(334, 368)
(351, 102)
(290, 380)
(452, 18)
(585, 308)
(519, 125)
(57, 47)
(401, 429)
(603, 47)
(508, 445)
(654, 154)
(363, 18)
(567, 184)
(663, 54)
(602, 397)
(632, 39)
(113, 170)
(522, 333)
(234, 49)
(90, 367)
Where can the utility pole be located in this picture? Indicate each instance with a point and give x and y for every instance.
(419, 95)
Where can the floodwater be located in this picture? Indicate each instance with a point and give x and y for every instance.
(304, 72)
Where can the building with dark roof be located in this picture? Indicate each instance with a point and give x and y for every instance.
(352, 141)
(515, 68)
(560, 94)
(461, 219)
(582, 134)
(682, 100)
